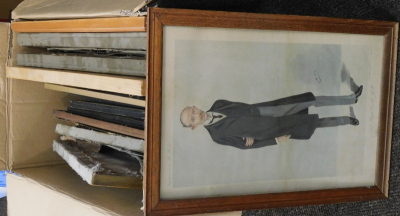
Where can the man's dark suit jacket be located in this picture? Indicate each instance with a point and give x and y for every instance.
(243, 120)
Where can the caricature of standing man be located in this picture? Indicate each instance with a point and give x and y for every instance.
(247, 126)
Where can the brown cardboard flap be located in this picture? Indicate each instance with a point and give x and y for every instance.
(4, 36)
(61, 9)
(23, 199)
(62, 179)
(30, 123)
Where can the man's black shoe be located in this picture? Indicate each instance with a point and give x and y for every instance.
(354, 121)
(358, 93)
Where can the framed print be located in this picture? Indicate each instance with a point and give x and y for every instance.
(252, 111)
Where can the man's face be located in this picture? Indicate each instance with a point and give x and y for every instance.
(193, 117)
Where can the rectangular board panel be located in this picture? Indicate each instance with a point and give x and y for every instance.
(119, 66)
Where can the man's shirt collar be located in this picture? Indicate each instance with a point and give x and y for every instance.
(214, 120)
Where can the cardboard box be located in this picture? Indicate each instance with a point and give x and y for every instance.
(26, 131)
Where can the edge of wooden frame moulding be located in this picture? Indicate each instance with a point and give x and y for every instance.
(138, 133)
(387, 103)
(119, 24)
(156, 206)
(112, 83)
(271, 21)
(95, 94)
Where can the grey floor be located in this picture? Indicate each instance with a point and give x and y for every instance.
(3, 206)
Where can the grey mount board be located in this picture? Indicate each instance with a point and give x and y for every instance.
(121, 66)
(132, 40)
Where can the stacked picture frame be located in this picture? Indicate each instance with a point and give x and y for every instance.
(198, 57)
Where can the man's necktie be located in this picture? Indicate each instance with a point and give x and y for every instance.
(215, 117)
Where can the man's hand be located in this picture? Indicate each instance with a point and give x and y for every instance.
(282, 139)
(249, 141)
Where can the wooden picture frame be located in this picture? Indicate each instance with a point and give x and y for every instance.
(159, 20)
